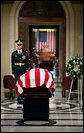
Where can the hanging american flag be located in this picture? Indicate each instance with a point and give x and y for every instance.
(47, 38)
(34, 78)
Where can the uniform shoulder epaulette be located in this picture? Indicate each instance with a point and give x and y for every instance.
(14, 51)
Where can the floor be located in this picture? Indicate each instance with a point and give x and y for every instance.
(63, 116)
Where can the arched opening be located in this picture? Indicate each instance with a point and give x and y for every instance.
(40, 15)
(67, 27)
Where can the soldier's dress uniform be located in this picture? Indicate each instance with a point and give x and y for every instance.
(19, 63)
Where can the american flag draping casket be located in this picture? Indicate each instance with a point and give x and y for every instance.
(34, 78)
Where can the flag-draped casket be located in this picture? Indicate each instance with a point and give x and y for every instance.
(34, 78)
(38, 84)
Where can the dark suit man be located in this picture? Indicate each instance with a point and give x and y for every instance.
(19, 60)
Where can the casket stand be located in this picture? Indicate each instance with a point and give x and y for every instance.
(36, 103)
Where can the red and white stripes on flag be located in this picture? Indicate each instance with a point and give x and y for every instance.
(34, 78)
(50, 41)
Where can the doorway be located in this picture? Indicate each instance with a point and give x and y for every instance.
(44, 40)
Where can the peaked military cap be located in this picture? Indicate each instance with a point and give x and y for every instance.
(19, 42)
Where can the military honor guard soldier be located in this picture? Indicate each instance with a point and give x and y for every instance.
(19, 62)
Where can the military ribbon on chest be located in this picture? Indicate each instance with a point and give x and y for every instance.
(16, 56)
(23, 57)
